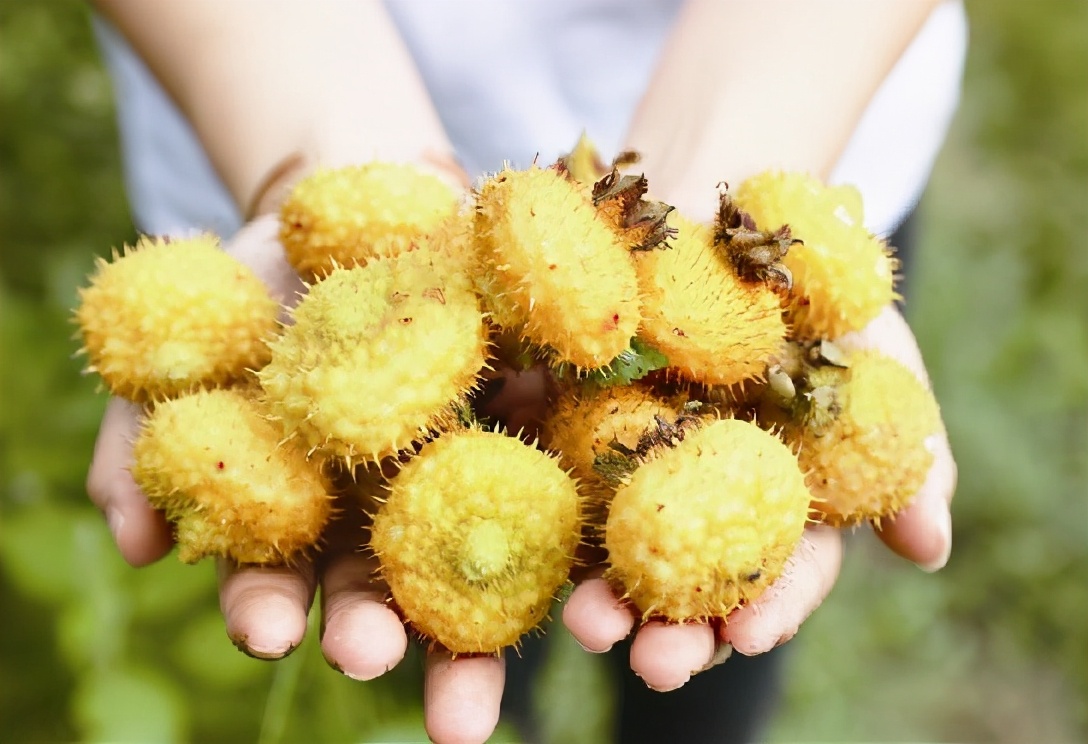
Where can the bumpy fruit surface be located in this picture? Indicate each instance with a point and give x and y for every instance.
(861, 434)
(475, 538)
(217, 469)
(843, 275)
(344, 216)
(589, 421)
(713, 326)
(170, 316)
(377, 356)
(706, 525)
(555, 271)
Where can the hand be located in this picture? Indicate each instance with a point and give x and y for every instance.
(265, 608)
(665, 656)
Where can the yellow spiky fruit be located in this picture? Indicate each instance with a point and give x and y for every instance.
(714, 327)
(861, 432)
(706, 524)
(349, 215)
(170, 316)
(843, 275)
(217, 468)
(589, 421)
(377, 356)
(552, 269)
(477, 535)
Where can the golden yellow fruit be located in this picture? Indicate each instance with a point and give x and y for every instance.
(861, 433)
(713, 327)
(350, 215)
(552, 270)
(173, 315)
(378, 356)
(843, 275)
(707, 524)
(477, 535)
(219, 471)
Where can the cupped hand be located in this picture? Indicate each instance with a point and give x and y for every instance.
(665, 655)
(265, 608)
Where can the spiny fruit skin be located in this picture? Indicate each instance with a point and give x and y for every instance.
(708, 524)
(585, 421)
(343, 216)
(862, 438)
(555, 271)
(215, 465)
(171, 315)
(714, 327)
(475, 538)
(843, 275)
(377, 356)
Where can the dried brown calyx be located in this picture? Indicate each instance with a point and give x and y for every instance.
(619, 199)
(756, 254)
(802, 381)
(584, 163)
(617, 464)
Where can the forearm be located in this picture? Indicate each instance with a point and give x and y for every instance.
(744, 86)
(315, 82)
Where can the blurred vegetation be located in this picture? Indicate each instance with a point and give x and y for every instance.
(994, 648)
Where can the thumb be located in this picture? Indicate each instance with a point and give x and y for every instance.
(141, 533)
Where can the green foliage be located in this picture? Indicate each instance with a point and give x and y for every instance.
(632, 364)
(994, 648)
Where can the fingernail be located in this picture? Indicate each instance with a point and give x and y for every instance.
(665, 689)
(115, 520)
(264, 654)
(589, 650)
(941, 519)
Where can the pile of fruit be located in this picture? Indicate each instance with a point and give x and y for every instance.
(699, 415)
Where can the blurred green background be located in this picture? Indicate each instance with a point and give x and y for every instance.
(992, 649)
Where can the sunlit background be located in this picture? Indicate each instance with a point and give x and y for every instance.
(992, 649)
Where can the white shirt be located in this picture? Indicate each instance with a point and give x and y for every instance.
(567, 66)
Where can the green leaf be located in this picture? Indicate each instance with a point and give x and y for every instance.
(632, 364)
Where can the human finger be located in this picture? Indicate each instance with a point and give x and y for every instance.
(520, 400)
(776, 615)
(361, 634)
(922, 532)
(666, 655)
(461, 697)
(265, 607)
(141, 532)
(596, 617)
